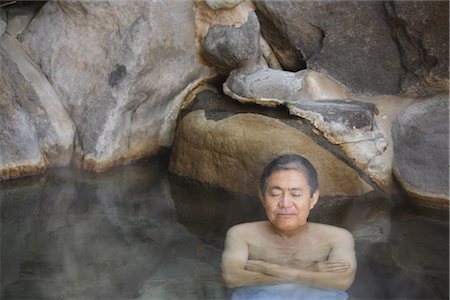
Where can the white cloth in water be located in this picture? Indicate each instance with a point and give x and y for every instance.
(287, 291)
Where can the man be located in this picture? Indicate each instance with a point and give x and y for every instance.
(287, 256)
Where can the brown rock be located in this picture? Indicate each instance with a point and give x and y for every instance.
(231, 153)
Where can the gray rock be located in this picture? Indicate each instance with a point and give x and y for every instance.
(20, 16)
(340, 121)
(351, 125)
(348, 40)
(20, 146)
(289, 57)
(421, 152)
(36, 130)
(222, 4)
(229, 47)
(270, 87)
(3, 23)
(54, 127)
(124, 90)
(421, 31)
(351, 114)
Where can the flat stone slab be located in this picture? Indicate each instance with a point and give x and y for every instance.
(351, 114)
(265, 86)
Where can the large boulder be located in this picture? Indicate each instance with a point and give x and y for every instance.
(121, 71)
(421, 31)
(230, 151)
(348, 40)
(421, 152)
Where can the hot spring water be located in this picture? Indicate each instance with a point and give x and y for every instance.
(137, 232)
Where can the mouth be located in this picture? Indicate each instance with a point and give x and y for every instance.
(285, 214)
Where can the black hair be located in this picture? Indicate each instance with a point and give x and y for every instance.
(290, 162)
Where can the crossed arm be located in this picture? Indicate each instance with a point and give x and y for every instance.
(337, 272)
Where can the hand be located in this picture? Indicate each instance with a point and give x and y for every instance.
(329, 266)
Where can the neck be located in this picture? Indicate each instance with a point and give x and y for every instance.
(287, 234)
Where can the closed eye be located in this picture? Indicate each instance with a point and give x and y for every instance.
(275, 192)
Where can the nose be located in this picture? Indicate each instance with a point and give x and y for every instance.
(285, 201)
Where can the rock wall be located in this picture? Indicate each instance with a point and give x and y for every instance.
(124, 90)
(104, 84)
(372, 47)
(119, 72)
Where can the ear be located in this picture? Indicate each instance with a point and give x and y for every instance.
(314, 199)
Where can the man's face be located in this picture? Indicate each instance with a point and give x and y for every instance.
(287, 199)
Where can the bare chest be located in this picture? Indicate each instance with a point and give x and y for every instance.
(294, 254)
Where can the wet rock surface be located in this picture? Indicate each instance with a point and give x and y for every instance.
(421, 143)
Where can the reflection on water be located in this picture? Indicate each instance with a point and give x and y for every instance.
(137, 233)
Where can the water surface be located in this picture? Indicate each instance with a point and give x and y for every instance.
(138, 233)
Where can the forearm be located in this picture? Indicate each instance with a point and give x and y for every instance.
(336, 280)
(341, 281)
(240, 277)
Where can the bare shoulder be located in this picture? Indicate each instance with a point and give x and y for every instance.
(331, 232)
(245, 229)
